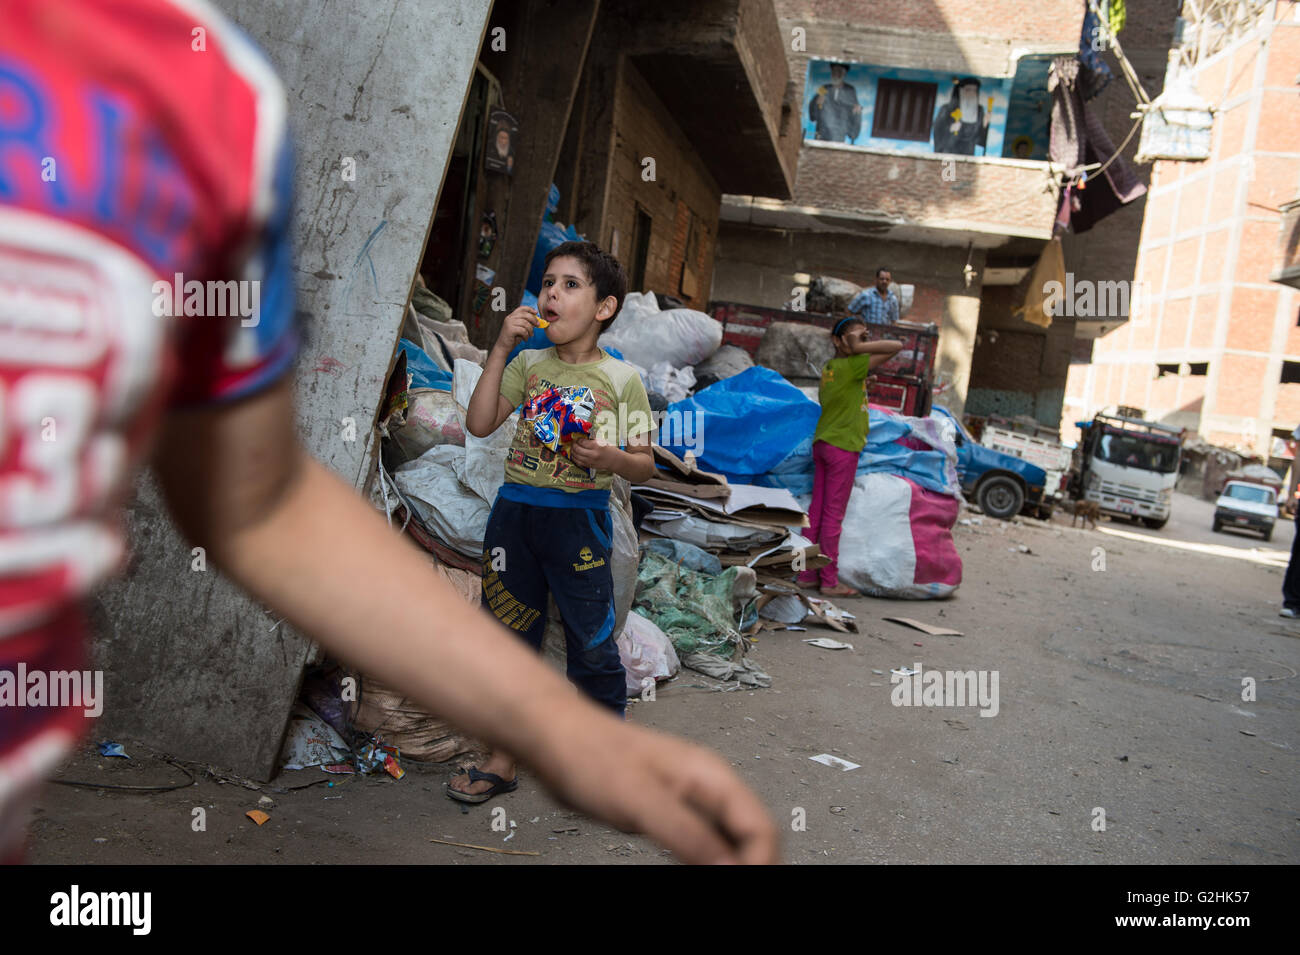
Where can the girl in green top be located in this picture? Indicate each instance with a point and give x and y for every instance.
(840, 437)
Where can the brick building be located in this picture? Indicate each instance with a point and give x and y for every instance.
(642, 119)
(1216, 347)
(963, 229)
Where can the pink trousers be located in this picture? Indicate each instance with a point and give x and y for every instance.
(833, 473)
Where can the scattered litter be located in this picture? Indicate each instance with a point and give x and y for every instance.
(1053, 812)
(109, 748)
(839, 809)
(1246, 733)
(826, 759)
(927, 628)
(339, 769)
(466, 845)
(878, 672)
(1122, 759)
(918, 644)
(509, 837)
(266, 802)
(826, 643)
(904, 671)
(957, 724)
(258, 816)
(101, 839)
(310, 741)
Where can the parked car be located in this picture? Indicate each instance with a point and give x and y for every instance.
(1001, 484)
(1246, 505)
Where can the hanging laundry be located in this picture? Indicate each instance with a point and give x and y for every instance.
(1095, 75)
(1078, 139)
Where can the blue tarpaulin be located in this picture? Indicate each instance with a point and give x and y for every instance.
(742, 426)
(424, 373)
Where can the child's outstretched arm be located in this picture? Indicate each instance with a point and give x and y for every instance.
(239, 484)
(487, 406)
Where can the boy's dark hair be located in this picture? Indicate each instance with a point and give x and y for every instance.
(604, 271)
(883, 268)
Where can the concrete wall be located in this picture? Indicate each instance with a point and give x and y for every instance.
(192, 666)
(1018, 368)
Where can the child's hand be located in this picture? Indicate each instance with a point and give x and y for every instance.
(593, 453)
(517, 327)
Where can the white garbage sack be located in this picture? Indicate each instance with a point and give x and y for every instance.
(646, 652)
(673, 383)
(433, 484)
(646, 336)
(485, 458)
(430, 419)
(726, 361)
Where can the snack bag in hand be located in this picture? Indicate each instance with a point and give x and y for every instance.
(560, 414)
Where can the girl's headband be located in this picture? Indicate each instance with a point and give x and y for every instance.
(835, 332)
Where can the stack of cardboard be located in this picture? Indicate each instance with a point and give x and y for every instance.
(740, 523)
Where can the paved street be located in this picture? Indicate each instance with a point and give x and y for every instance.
(1120, 689)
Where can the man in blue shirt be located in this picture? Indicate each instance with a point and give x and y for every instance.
(878, 305)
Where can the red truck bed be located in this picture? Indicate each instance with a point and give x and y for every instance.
(901, 384)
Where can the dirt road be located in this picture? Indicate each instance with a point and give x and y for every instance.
(1120, 656)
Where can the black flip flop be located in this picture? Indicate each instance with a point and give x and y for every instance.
(499, 786)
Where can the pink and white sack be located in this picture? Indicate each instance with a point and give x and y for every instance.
(897, 539)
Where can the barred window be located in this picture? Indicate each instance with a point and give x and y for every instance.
(904, 110)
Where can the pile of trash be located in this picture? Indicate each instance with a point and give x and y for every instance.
(704, 552)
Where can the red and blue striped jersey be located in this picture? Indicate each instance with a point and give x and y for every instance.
(145, 261)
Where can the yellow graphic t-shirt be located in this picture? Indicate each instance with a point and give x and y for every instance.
(622, 412)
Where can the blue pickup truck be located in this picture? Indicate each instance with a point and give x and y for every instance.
(1001, 484)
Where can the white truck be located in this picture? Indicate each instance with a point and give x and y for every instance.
(1129, 467)
(1036, 444)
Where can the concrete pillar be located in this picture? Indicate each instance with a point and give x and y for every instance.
(961, 318)
(539, 69)
(193, 666)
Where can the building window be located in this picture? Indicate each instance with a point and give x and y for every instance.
(1170, 369)
(1290, 372)
(1199, 368)
(904, 110)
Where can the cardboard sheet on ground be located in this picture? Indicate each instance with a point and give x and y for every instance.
(788, 607)
(772, 506)
(929, 628)
(686, 477)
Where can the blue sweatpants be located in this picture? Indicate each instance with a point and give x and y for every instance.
(550, 541)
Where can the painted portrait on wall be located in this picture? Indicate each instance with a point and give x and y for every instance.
(502, 131)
